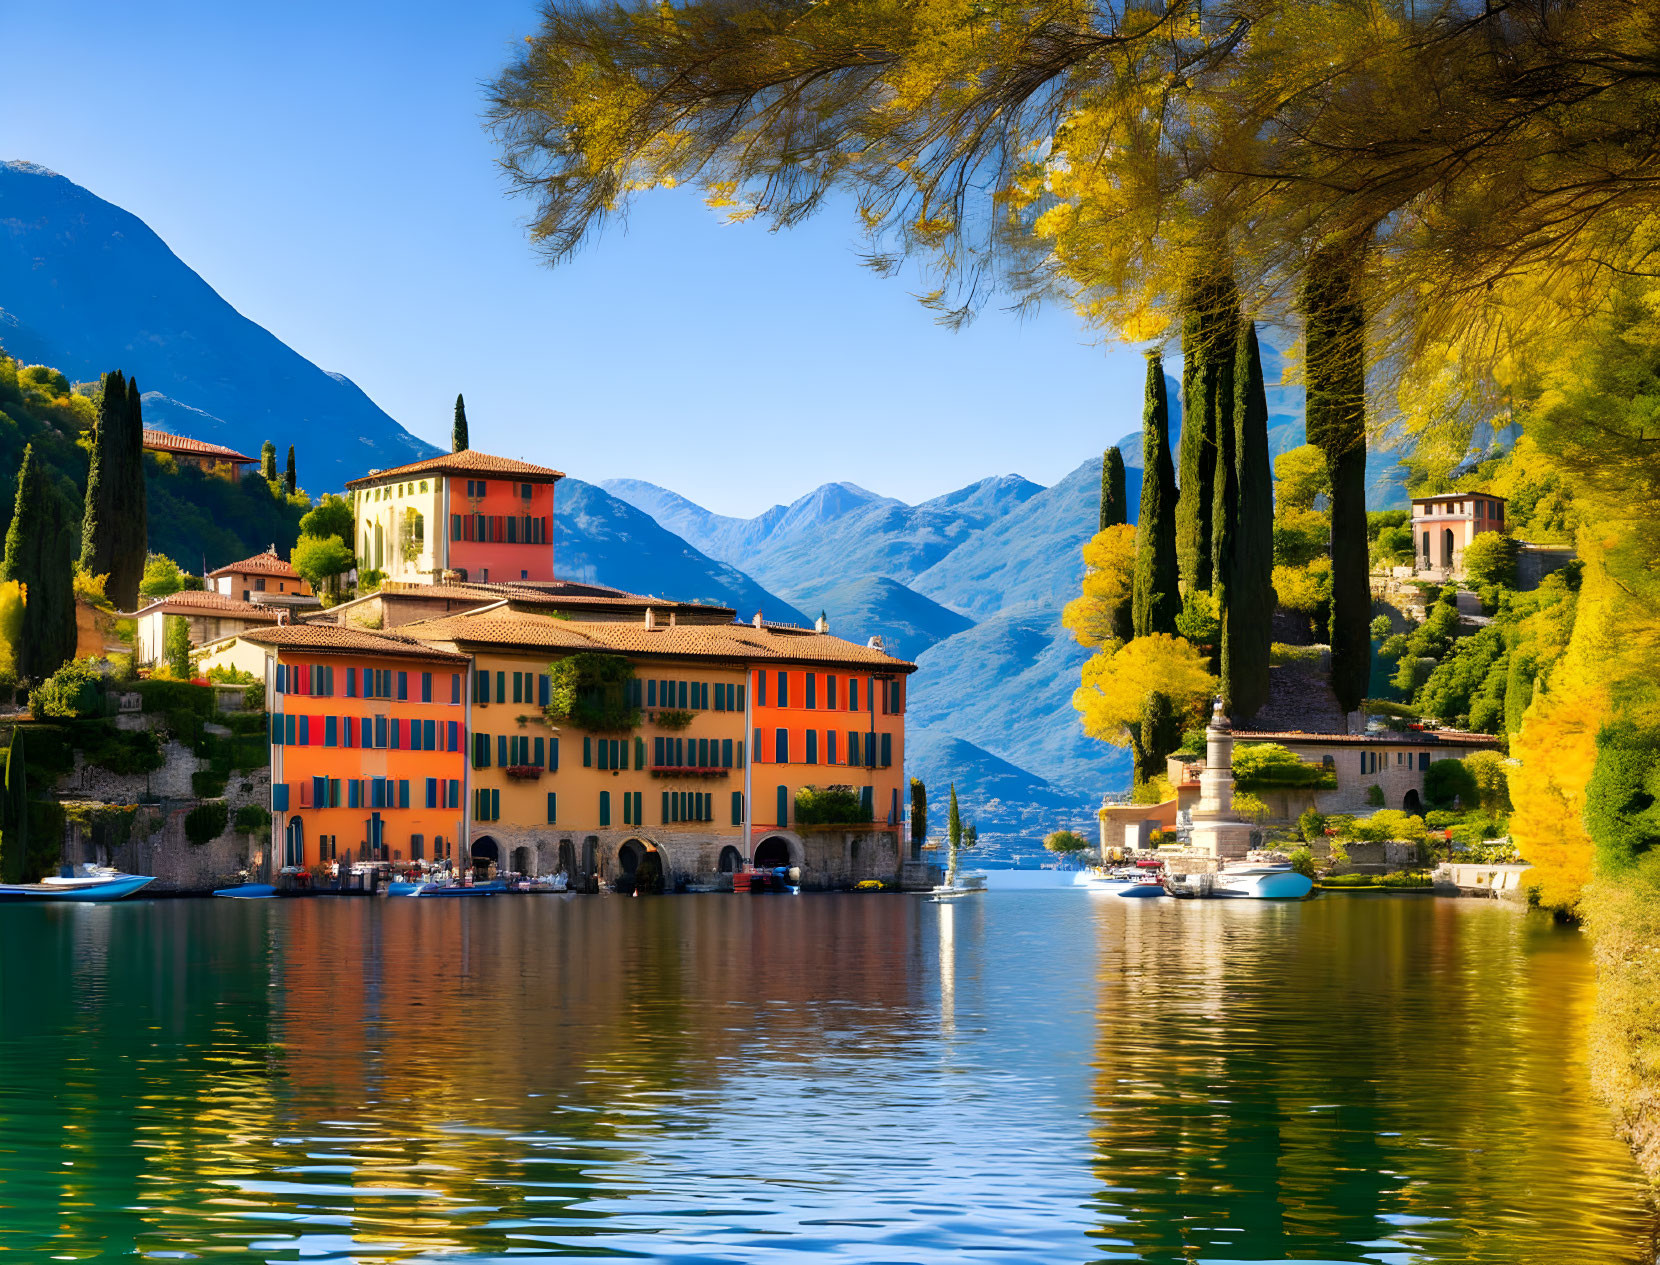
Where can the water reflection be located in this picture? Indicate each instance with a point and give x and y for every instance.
(1030, 1074)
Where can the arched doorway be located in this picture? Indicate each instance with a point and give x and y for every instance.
(731, 860)
(1446, 547)
(772, 852)
(522, 863)
(293, 844)
(1413, 803)
(486, 857)
(639, 867)
(567, 859)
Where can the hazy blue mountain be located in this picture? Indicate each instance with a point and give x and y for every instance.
(838, 531)
(604, 540)
(874, 605)
(1028, 555)
(1006, 685)
(87, 287)
(1012, 808)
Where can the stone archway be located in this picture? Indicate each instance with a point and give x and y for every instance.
(772, 853)
(639, 867)
(524, 862)
(1446, 547)
(731, 860)
(486, 857)
(1413, 803)
(567, 859)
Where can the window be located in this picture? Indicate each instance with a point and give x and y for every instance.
(887, 751)
(432, 792)
(811, 690)
(870, 751)
(830, 743)
(605, 808)
(783, 689)
(331, 731)
(553, 808)
(852, 693)
(781, 746)
(783, 806)
(830, 691)
(426, 687)
(853, 747)
(737, 808)
(812, 744)
(726, 753)
(760, 689)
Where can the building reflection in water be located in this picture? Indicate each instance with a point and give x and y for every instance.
(1270, 1085)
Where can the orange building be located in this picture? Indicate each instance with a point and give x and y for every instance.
(216, 459)
(266, 577)
(368, 742)
(1443, 526)
(463, 515)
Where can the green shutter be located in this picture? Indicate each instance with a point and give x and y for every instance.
(587, 752)
(783, 806)
(737, 808)
(553, 808)
(605, 808)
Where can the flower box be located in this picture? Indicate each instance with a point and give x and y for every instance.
(524, 772)
(666, 770)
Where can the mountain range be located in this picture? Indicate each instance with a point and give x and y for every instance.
(969, 584)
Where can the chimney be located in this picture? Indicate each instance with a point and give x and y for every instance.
(671, 619)
(875, 643)
(757, 619)
(651, 620)
(822, 625)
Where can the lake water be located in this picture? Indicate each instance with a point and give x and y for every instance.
(1046, 1076)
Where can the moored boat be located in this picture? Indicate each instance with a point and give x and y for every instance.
(249, 891)
(1271, 880)
(959, 886)
(88, 885)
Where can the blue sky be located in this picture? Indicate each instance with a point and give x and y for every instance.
(325, 168)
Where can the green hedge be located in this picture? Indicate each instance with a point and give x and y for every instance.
(206, 822)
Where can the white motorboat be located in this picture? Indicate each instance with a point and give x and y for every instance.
(966, 884)
(92, 884)
(1269, 880)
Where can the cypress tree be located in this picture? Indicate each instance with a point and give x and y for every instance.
(98, 526)
(1114, 510)
(130, 507)
(1247, 616)
(268, 461)
(1156, 599)
(1160, 733)
(289, 478)
(40, 556)
(953, 836)
(1197, 456)
(458, 436)
(14, 814)
(1335, 369)
(919, 817)
(1222, 346)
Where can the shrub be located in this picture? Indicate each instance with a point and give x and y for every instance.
(1447, 781)
(206, 822)
(1302, 861)
(829, 806)
(1491, 559)
(1193, 743)
(674, 720)
(1390, 825)
(1374, 796)
(252, 819)
(1312, 824)
(1281, 655)
(1199, 621)
(1250, 807)
(1622, 799)
(75, 689)
(205, 784)
(1066, 842)
(1491, 781)
(1382, 627)
(1269, 766)
(1393, 647)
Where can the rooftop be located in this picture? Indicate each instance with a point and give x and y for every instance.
(467, 461)
(161, 441)
(733, 643)
(192, 602)
(333, 639)
(266, 563)
(1459, 496)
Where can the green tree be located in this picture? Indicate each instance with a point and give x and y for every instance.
(175, 646)
(1335, 321)
(1300, 478)
(161, 577)
(290, 479)
(38, 555)
(331, 516)
(1157, 598)
(1449, 780)
(919, 817)
(14, 813)
(1491, 559)
(1066, 843)
(1248, 612)
(268, 461)
(458, 434)
(98, 529)
(132, 545)
(953, 837)
(1622, 799)
(321, 561)
(1160, 733)
(1114, 508)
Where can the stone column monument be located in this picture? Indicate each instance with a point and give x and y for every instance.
(1216, 830)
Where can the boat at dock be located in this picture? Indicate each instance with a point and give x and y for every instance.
(248, 891)
(960, 885)
(88, 885)
(1268, 880)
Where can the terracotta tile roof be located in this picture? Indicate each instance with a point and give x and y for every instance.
(1459, 496)
(556, 596)
(736, 643)
(266, 563)
(334, 639)
(467, 461)
(1397, 738)
(198, 603)
(161, 441)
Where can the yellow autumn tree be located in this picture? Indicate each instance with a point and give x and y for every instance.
(1101, 614)
(1140, 695)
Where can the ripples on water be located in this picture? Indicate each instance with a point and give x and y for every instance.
(1045, 1076)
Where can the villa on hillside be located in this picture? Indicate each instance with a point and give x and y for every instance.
(213, 459)
(210, 616)
(1442, 526)
(266, 577)
(459, 516)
